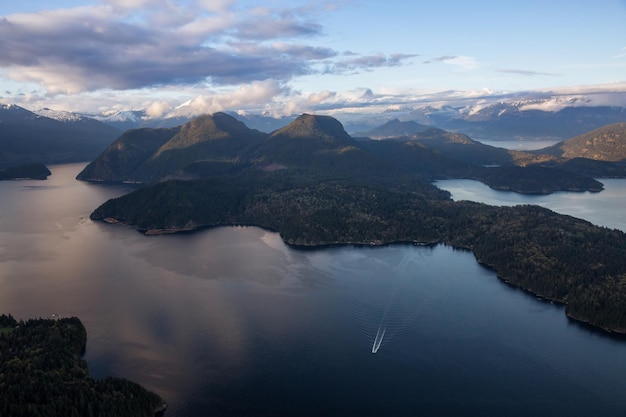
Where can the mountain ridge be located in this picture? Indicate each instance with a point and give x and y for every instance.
(219, 143)
(607, 143)
(26, 137)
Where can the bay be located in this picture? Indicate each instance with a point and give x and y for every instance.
(231, 322)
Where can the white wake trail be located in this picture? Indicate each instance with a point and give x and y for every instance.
(380, 334)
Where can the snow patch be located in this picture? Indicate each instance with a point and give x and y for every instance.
(61, 116)
(119, 116)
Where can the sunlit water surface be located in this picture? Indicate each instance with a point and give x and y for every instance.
(606, 208)
(231, 322)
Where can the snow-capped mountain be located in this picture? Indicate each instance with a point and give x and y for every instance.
(61, 116)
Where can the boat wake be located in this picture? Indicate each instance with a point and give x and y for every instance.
(387, 305)
(380, 334)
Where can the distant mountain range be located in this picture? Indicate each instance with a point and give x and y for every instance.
(133, 119)
(394, 129)
(504, 118)
(50, 137)
(54, 136)
(526, 119)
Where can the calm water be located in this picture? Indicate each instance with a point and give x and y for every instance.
(231, 322)
(605, 208)
(519, 144)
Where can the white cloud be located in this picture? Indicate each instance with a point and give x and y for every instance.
(158, 108)
(242, 98)
(465, 63)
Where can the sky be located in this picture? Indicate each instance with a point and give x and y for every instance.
(289, 57)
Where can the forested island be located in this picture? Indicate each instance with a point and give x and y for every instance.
(317, 186)
(28, 171)
(42, 375)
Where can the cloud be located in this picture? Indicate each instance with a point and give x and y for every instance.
(621, 54)
(145, 43)
(267, 25)
(367, 62)
(158, 108)
(464, 62)
(242, 98)
(443, 58)
(527, 73)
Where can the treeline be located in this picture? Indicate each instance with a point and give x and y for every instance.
(42, 375)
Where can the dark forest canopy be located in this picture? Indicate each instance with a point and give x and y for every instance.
(42, 374)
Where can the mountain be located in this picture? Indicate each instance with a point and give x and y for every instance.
(27, 137)
(207, 143)
(306, 138)
(62, 116)
(314, 146)
(607, 143)
(394, 128)
(521, 119)
(119, 161)
(462, 147)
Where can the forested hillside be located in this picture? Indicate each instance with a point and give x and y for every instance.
(607, 143)
(42, 375)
